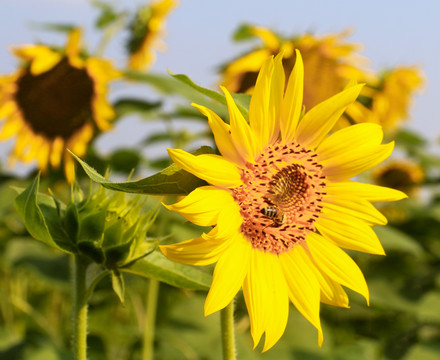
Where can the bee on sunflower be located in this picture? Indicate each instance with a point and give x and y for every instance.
(55, 101)
(282, 203)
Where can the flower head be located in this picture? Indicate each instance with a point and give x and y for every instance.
(400, 174)
(146, 29)
(390, 95)
(282, 203)
(330, 62)
(54, 102)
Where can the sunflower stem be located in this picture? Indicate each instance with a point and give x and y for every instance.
(79, 272)
(228, 333)
(150, 320)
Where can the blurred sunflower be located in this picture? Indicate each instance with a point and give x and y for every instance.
(329, 63)
(282, 203)
(400, 174)
(53, 103)
(145, 31)
(390, 95)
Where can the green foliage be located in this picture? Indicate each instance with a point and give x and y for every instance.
(171, 180)
(242, 100)
(109, 231)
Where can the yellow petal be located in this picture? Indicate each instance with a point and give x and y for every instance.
(211, 168)
(270, 40)
(336, 264)
(241, 133)
(41, 57)
(293, 101)
(56, 151)
(7, 107)
(331, 292)
(203, 205)
(355, 161)
(74, 43)
(11, 127)
(303, 287)
(265, 102)
(228, 223)
(222, 135)
(358, 208)
(229, 274)
(316, 124)
(374, 193)
(198, 251)
(43, 155)
(266, 297)
(69, 167)
(350, 233)
(103, 113)
(353, 137)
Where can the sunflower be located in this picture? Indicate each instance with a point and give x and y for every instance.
(328, 60)
(145, 30)
(282, 203)
(390, 95)
(331, 62)
(400, 174)
(53, 103)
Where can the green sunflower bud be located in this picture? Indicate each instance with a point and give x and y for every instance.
(105, 226)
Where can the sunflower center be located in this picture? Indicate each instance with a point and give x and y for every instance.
(280, 198)
(57, 102)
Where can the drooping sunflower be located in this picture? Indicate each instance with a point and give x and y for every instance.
(145, 32)
(54, 102)
(282, 203)
(330, 62)
(390, 95)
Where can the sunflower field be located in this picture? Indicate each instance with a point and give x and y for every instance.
(286, 210)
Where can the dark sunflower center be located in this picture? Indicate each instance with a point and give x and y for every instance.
(56, 103)
(396, 178)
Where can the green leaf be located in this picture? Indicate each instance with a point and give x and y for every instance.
(107, 14)
(243, 33)
(92, 227)
(396, 240)
(128, 106)
(118, 285)
(71, 222)
(386, 295)
(428, 308)
(430, 351)
(158, 267)
(124, 160)
(184, 86)
(55, 27)
(171, 180)
(242, 100)
(163, 83)
(32, 216)
(408, 138)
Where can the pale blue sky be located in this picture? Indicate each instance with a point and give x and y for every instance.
(199, 35)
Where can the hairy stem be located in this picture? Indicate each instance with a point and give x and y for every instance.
(79, 271)
(150, 320)
(228, 334)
